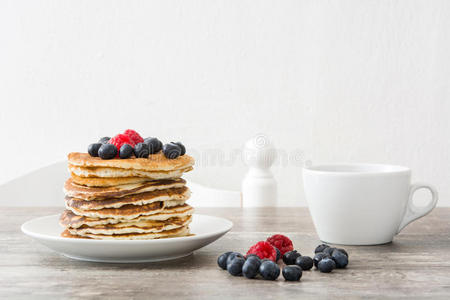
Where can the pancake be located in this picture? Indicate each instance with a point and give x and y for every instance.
(73, 190)
(155, 162)
(69, 219)
(114, 181)
(117, 172)
(177, 194)
(177, 232)
(126, 212)
(133, 227)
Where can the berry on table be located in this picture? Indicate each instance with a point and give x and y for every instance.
(222, 260)
(263, 250)
(278, 254)
(232, 256)
(126, 151)
(141, 150)
(183, 149)
(290, 257)
(107, 151)
(269, 270)
(171, 151)
(326, 265)
(134, 136)
(93, 149)
(154, 145)
(340, 259)
(104, 140)
(251, 267)
(304, 262)
(329, 250)
(235, 266)
(282, 242)
(343, 251)
(320, 248)
(292, 273)
(318, 257)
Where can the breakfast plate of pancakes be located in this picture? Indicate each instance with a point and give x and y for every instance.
(203, 231)
(125, 210)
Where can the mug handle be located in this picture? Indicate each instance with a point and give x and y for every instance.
(414, 212)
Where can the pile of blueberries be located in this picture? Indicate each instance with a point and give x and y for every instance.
(325, 260)
(151, 145)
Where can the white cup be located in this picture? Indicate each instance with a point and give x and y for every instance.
(362, 204)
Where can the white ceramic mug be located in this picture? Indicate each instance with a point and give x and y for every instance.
(362, 204)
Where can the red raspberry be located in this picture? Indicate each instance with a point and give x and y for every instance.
(282, 242)
(134, 136)
(263, 250)
(119, 140)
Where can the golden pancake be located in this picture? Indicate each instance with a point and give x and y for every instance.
(114, 181)
(177, 232)
(177, 194)
(133, 227)
(74, 190)
(155, 162)
(117, 172)
(126, 212)
(69, 219)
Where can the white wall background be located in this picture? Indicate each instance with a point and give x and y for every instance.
(339, 80)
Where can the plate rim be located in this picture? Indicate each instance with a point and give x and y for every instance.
(40, 236)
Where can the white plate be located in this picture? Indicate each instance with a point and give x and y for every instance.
(206, 229)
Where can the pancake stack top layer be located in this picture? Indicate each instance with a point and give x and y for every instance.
(134, 198)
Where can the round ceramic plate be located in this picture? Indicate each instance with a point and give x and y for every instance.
(206, 229)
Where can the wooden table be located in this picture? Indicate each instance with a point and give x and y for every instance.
(415, 265)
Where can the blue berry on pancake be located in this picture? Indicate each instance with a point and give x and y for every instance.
(171, 151)
(183, 149)
(141, 150)
(93, 149)
(107, 151)
(126, 151)
(154, 145)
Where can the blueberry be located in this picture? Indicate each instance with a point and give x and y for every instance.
(326, 265)
(171, 151)
(107, 151)
(329, 250)
(232, 256)
(141, 150)
(104, 140)
(154, 145)
(269, 270)
(93, 149)
(182, 147)
(251, 267)
(126, 151)
(318, 257)
(290, 257)
(235, 266)
(320, 248)
(250, 255)
(278, 254)
(292, 273)
(304, 262)
(340, 259)
(343, 251)
(222, 260)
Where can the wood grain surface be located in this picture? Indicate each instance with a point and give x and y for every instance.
(415, 266)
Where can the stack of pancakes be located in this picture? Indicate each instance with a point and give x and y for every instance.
(135, 198)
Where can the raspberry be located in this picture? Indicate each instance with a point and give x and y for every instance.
(263, 250)
(119, 140)
(134, 136)
(282, 242)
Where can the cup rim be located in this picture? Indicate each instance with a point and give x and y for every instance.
(357, 169)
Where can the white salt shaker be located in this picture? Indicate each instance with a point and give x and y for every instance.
(259, 187)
